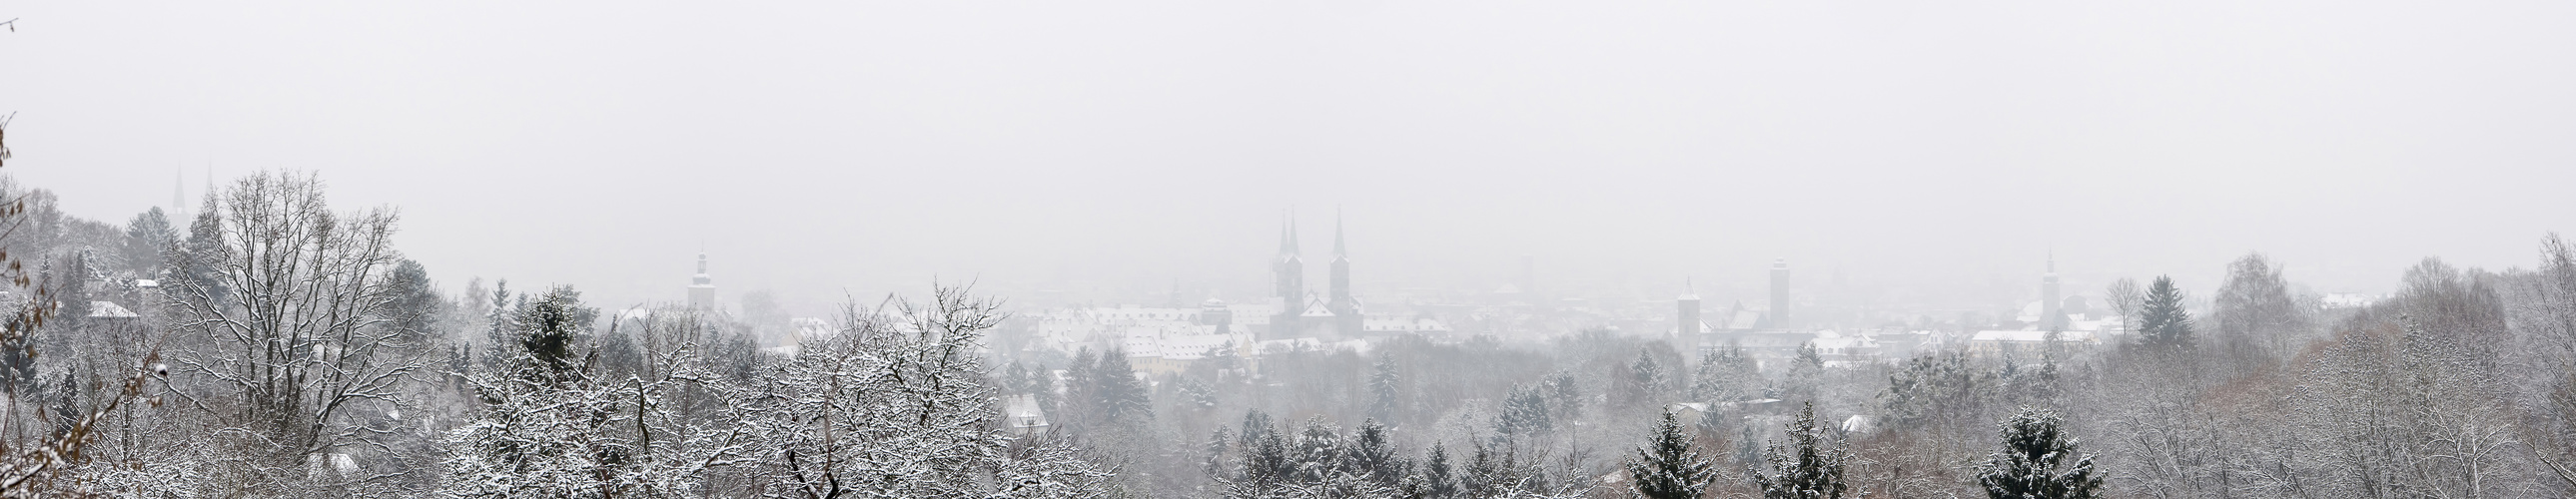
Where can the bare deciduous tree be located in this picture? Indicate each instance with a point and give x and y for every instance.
(291, 324)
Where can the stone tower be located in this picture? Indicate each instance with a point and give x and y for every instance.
(1781, 317)
(1686, 314)
(1290, 271)
(2051, 316)
(1346, 309)
(702, 289)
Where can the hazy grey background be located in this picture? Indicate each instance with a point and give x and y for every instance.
(1938, 148)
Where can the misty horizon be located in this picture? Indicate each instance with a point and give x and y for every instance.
(1932, 153)
(1365, 249)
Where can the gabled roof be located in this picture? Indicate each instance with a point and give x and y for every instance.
(109, 310)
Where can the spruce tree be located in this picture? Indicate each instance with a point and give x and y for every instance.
(2162, 323)
(1385, 389)
(1667, 467)
(1122, 399)
(1804, 467)
(1647, 378)
(1373, 455)
(1569, 399)
(1438, 481)
(1266, 464)
(1524, 414)
(2038, 461)
(550, 326)
(1081, 389)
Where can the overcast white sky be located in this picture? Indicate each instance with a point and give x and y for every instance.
(868, 146)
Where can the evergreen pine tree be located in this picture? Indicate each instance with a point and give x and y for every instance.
(1524, 414)
(1645, 380)
(1484, 474)
(1373, 455)
(1122, 398)
(2162, 322)
(1041, 382)
(146, 239)
(1667, 467)
(1438, 481)
(1081, 388)
(550, 327)
(1385, 391)
(1808, 358)
(1705, 381)
(1803, 467)
(1569, 400)
(1015, 379)
(1317, 451)
(2038, 461)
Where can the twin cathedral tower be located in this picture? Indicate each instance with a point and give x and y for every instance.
(1301, 315)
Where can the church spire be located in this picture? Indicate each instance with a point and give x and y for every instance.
(1338, 250)
(1287, 234)
(178, 193)
(1293, 246)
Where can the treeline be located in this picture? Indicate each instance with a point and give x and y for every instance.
(274, 347)
(2458, 385)
(269, 345)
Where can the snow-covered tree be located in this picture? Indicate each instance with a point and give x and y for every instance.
(1119, 397)
(1806, 466)
(1437, 479)
(1667, 467)
(2162, 322)
(1386, 402)
(289, 315)
(2038, 461)
(895, 405)
(1645, 380)
(1567, 397)
(1524, 413)
(2255, 309)
(1373, 455)
(1726, 374)
(554, 425)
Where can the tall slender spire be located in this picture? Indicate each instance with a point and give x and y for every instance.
(1287, 234)
(178, 192)
(1290, 274)
(1293, 246)
(1346, 308)
(1338, 250)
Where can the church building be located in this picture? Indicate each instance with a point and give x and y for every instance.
(1303, 315)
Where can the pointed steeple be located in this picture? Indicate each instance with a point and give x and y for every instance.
(1293, 246)
(1287, 246)
(702, 288)
(179, 193)
(2052, 261)
(1287, 235)
(1289, 272)
(1339, 251)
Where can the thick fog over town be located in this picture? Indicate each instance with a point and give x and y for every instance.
(1347, 249)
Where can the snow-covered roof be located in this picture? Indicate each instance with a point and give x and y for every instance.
(1021, 412)
(109, 310)
(2029, 336)
(1398, 325)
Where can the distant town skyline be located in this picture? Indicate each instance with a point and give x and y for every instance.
(818, 150)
